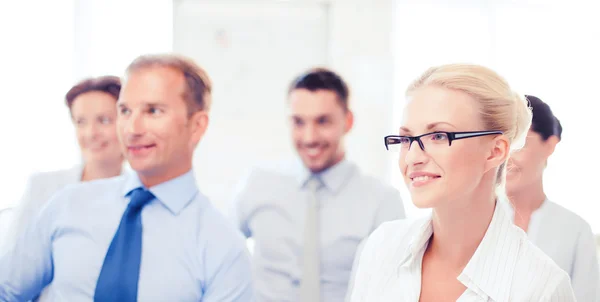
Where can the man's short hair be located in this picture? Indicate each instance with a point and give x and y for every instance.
(323, 79)
(197, 94)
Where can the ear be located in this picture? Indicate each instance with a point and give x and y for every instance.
(349, 123)
(498, 153)
(550, 144)
(198, 123)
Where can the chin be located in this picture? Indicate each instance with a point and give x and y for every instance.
(315, 168)
(424, 204)
(97, 157)
(513, 182)
(422, 201)
(140, 166)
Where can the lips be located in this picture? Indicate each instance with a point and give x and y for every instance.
(419, 179)
(314, 152)
(140, 150)
(422, 178)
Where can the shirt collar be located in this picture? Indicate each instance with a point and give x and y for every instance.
(418, 243)
(491, 266)
(507, 205)
(333, 178)
(175, 194)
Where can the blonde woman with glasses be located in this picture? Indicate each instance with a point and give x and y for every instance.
(459, 126)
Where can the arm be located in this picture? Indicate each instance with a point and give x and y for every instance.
(390, 208)
(585, 275)
(237, 213)
(232, 279)
(27, 208)
(26, 268)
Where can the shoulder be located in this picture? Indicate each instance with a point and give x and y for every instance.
(536, 273)
(90, 191)
(565, 217)
(42, 186)
(217, 232)
(111, 184)
(276, 168)
(375, 183)
(400, 230)
(392, 236)
(56, 177)
(266, 176)
(371, 183)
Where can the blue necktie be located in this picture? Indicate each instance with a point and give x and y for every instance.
(118, 280)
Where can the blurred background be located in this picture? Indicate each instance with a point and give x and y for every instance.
(252, 49)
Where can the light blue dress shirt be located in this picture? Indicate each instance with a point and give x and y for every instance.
(40, 187)
(270, 207)
(190, 252)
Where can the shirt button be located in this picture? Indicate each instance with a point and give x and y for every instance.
(296, 282)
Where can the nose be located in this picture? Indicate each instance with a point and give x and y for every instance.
(90, 131)
(415, 155)
(419, 143)
(133, 125)
(309, 134)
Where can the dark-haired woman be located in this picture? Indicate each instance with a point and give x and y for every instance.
(560, 233)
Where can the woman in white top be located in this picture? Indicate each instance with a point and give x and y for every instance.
(458, 128)
(560, 233)
(92, 104)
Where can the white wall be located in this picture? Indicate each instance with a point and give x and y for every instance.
(253, 49)
(361, 50)
(109, 34)
(36, 70)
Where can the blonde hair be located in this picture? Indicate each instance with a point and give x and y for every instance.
(501, 108)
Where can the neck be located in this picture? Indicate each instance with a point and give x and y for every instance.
(93, 171)
(338, 158)
(529, 198)
(151, 179)
(458, 230)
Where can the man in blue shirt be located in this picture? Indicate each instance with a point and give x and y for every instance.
(308, 217)
(144, 236)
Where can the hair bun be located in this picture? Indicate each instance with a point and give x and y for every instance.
(522, 118)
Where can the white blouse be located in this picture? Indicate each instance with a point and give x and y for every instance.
(505, 266)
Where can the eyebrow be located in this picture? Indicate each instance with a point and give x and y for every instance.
(144, 104)
(320, 116)
(429, 126)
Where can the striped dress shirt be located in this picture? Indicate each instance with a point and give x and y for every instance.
(505, 266)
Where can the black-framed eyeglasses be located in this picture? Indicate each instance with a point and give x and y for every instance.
(438, 138)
